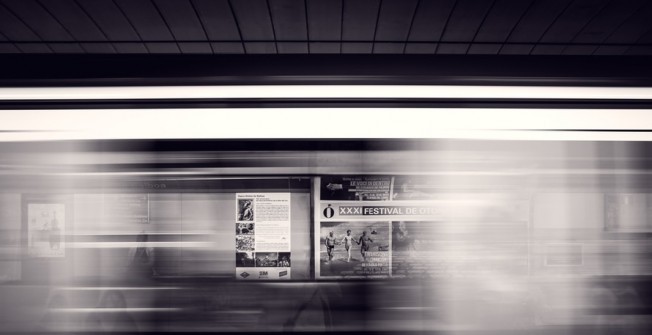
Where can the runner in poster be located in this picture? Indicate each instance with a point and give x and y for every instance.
(330, 245)
(348, 244)
(366, 244)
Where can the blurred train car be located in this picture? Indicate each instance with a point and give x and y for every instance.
(534, 237)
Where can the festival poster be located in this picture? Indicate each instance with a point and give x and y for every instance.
(46, 228)
(263, 236)
(415, 231)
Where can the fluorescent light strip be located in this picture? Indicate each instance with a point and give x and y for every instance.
(346, 123)
(324, 92)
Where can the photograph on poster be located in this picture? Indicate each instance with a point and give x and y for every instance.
(46, 230)
(244, 228)
(354, 248)
(266, 259)
(284, 260)
(244, 243)
(245, 259)
(245, 209)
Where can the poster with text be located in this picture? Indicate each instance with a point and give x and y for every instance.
(46, 229)
(356, 188)
(407, 226)
(263, 236)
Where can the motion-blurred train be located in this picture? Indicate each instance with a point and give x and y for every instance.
(522, 237)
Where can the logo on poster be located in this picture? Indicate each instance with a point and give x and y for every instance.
(262, 274)
(283, 273)
(329, 211)
(244, 275)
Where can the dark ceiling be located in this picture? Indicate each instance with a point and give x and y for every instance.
(516, 27)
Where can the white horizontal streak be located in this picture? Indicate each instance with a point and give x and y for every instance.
(323, 92)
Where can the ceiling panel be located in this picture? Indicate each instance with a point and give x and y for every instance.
(484, 49)
(430, 20)
(466, 18)
(395, 20)
(195, 48)
(325, 47)
(38, 19)
(420, 48)
(608, 20)
(66, 48)
(218, 20)
(14, 28)
(260, 48)
(163, 47)
(452, 48)
(130, 48)
(37, 48)
(228, 47)
(292, 47)
(73, 17)
(325, 20)
(289, 19)
(571, 22)
(110, 19)
(537, 19)
(182, 19)
(253, 17)
(503, 27)
(146, 20)
(99, 48)
(634, 27)
(359, 20)
(501, 20)
(9, 48)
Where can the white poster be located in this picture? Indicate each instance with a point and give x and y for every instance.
(263, 236)
(46, 230)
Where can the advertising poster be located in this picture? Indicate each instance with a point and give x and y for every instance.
(46, 229)
(404, 226)
(263, 236)
(355, 188)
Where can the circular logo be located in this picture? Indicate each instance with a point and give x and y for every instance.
(329, 212)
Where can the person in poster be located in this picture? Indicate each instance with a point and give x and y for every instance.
(366, 244)
(348, 244)
(330, 245)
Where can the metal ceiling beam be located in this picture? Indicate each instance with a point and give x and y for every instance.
(145, 70)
